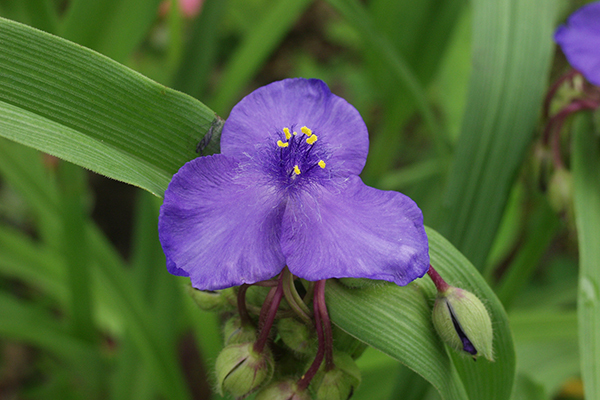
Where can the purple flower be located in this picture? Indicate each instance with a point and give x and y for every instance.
(579, 40)
(286, 191)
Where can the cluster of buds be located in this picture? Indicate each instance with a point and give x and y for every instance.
(280, 345)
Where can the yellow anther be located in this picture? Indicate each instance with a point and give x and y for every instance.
(282, 144)
(321, 163)
(296, 170)
(306, 131)
(311, 139)
(295, 133)
(287, 133)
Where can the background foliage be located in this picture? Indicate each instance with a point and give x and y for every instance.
(451, 92)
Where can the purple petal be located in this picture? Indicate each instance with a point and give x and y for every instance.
(347, 229)
(260, 117)
(579, 40)
(220, 224)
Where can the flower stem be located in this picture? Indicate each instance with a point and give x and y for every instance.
(314, 367)
(241, 305)
(439, 283)
(293, 298)
(321, 307)
(267, 315)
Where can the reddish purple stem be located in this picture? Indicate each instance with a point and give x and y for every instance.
(267, 316)
(439, 283)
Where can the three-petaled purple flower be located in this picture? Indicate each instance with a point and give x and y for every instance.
(285, 191)
(579, 40)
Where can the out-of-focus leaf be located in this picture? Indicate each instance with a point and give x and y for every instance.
(397, 321)
(586, 179)
(512, 46)
(80, 106)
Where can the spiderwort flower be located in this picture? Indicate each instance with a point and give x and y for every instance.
(285, 191)
(579, 40)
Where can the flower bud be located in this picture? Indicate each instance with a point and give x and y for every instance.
(284, 390)
(241, 370)
(338, 383)
(214, 301)
(296, 336)
(463, 323)
(560, 192)
(235, 333)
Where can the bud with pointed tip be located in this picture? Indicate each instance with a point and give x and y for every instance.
(284, 390)
(338, 383)
(241, 370)
(463, 323)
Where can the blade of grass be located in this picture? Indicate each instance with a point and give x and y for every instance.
(586, 179)
(512, 46)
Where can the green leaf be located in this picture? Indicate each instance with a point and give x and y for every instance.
(74, 103)
(397, 321)
(586, 178)
(512, 46)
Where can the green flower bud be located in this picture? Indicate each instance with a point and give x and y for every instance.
(215, 301)
(297, 336)
(235, 333)
(463, 323)
(560, 192)
(338, 383)
(241, 370)
(284, 390)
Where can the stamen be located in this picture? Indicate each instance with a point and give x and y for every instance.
(306, 131)
(282, 144)
(311, 139)
(295, 133)
(296, 170)
(322, 164)
(286, 132)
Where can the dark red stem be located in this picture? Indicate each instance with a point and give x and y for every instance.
(325, 323)
(439, 283)
(554, 88)
(314, 367)
(267, 316)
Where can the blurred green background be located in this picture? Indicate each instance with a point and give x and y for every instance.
(451, 92)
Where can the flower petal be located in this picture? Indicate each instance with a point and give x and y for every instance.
(260, 117)
(220, 224)
(348, 229)
(579, 40)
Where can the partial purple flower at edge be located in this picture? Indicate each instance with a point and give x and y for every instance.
(579, 40)
(285, 191)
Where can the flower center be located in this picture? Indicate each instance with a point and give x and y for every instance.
(297, 153)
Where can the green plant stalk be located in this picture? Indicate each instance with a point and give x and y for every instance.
(72, 181)
(586, 177)
(543, 227)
